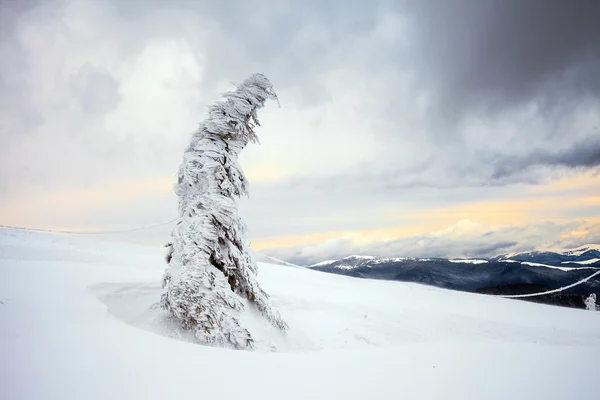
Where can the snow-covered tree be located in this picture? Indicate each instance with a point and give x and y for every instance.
(210, 270)
(590, 302)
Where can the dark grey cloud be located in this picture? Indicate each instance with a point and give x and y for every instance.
(581, 154)
(489, 54)
(410, 65)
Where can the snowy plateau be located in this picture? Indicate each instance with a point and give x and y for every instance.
(78, 321)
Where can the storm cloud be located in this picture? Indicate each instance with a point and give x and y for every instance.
(492, 55)
(582, 154)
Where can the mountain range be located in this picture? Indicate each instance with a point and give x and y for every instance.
(511, 273)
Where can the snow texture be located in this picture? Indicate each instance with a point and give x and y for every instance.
(210, 268)
(532, 264)
(554, 266)
(77, 322)
(585, 262)
(468, 261)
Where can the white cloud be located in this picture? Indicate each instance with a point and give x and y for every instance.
(464, 239)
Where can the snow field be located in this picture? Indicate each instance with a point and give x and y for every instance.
(77, 322)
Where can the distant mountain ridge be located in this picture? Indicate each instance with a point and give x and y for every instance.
(588, 255)
(507, 272)
(359, 261)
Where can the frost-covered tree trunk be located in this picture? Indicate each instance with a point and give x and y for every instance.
(210, 268)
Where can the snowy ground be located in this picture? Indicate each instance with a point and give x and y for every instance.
(77, 322)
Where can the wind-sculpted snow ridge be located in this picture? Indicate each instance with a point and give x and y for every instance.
(210, 267)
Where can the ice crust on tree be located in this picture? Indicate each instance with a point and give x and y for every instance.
(210, 268)
(590, 302)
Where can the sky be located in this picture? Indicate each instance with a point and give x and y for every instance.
(456, 128)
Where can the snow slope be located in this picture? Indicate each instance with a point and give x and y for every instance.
(76, 322)
(555, 256)
(264, 258)
(581, 250)
(546, 266)
(355, 261)
(468, 261)
(586, 262)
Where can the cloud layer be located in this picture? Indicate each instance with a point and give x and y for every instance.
(463, 239)
(410, 106)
